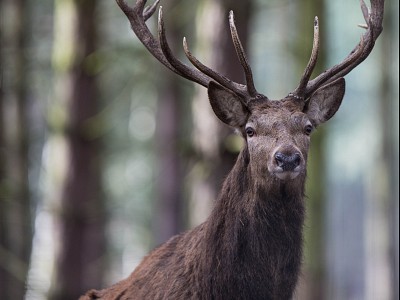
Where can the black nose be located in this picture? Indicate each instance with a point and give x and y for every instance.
(287, 162)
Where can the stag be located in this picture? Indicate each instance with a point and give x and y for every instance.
(250, 247)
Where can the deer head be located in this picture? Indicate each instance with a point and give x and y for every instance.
(277, 132)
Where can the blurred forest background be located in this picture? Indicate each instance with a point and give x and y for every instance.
(104, 153)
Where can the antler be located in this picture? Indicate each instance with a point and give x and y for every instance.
(138, 16)
(246, 92)
(373, 26)
(162, 52)
(203, 74)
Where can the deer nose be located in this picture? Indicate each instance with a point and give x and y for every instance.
(288, 162)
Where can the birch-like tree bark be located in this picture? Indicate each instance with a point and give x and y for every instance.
(216, 146)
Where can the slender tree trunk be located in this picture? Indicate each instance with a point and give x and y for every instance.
(169, 119)
(312, 285)
(215, 144)
(227, 62)
(389, 159)
(15, 201)
(169, 177)
(81, 219)
(170, 122)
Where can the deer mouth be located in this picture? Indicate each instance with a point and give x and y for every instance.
(286, 175)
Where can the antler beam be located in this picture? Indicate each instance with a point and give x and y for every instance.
(137, 16)
(311, 63)
(242, 56)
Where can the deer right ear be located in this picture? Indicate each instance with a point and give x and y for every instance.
(325, 102)
(227, 106)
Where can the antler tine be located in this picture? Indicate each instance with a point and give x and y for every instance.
(246, 92)
(221, 79)
(183, 70)
(137, 19)
(150, 10)
(338, 70)
(299, 91)
(365, 11)
(242, 56)
(374, 27)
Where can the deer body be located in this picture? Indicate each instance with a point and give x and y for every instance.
(250, 247)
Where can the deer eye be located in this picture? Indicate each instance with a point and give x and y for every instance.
(250, 131)
(308, 129)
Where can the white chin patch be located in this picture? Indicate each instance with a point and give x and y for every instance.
(287, 175)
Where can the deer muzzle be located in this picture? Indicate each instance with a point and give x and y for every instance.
(287, 164)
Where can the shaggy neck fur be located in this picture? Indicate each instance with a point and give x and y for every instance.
(255, 235)
(249, 248)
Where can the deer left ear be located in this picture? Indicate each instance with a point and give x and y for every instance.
(227, 106)
(325, 102)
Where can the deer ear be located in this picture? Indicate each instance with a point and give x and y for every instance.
(227, 106)
(325, 102)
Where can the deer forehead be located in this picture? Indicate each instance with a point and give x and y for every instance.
(276, 117)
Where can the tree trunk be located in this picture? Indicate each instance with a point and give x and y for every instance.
(81, 219)
(170, 123)
(15, 201)
(388, 162)
(216, 146)
(312, 285)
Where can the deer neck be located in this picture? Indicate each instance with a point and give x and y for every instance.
(254, 199)
(256, 220)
